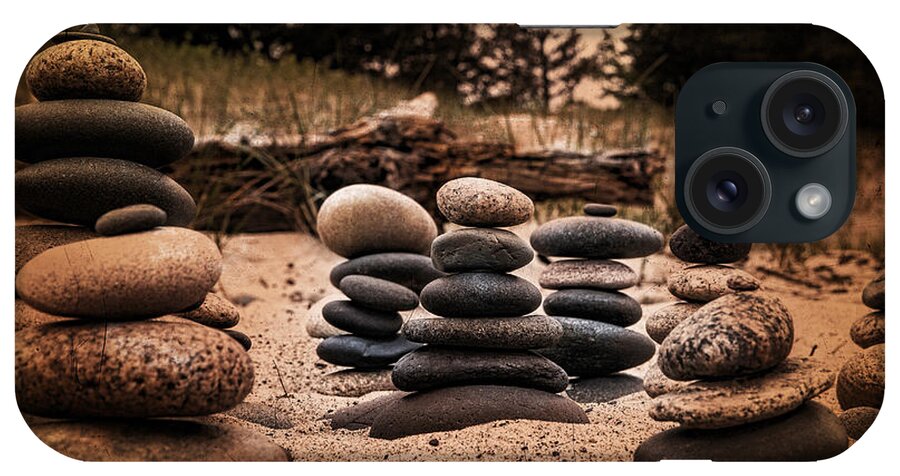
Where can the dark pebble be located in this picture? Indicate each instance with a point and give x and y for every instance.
(596, 238)
(355, 319)
(407, 269)
(605, 306)
(688, 246)
(377, 293)
(529, 332)
(362, 352)
(600, 210)
(594, 349)
(480, 295)
(480, 249)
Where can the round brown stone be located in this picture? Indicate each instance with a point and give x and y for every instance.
(85, 69)
(214, 311)
(590, 274)
(873, 294)
(130, 370)
(472, 201)
(858, 420)
(660, 323)
(130, 219)
(707, 282)
(529, 332)
(32, 240)
(868, 330)
(860, 382)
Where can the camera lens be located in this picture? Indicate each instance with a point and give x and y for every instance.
(727, 190)
(804, 113)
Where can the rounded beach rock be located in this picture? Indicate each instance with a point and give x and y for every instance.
(432, 367)
(704, 283)
(214, 311)
(411, 270)
(593, 349)
(377, 293)
(480, 249)
(147, 274)
(860, 382)
(85, 69)
(725, 403)
(349, 317)
(134, 370)
(130, 219)
(734, 335)
(364, 219)
(472, 201)
(81, 190)
(316, 325)
(599, 210)
(529, 332)
(32, 240)
(480, 295)
(429, 412)
(125, 130)
(596, 238)
(688, 246)
(868, 330)
(810, 433)
(873, 294)
(663, 320)
(591, 274)
(606, 306)
(858, 420)
(362, 352)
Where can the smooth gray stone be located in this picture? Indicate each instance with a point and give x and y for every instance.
(600, 210)
(604, 389)
(130, 219)
(377, 293)
(363, 352)
(596, 238)
(606, 306)
(407, 269)
(594, 349)
(355, 319)
(480, 249)
(480, 295)
(528, 332)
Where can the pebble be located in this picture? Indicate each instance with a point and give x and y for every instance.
(873, 293)
(81, 190)
(860, 382)
(594, 349)
(604, 389)
(85, 69)
(599, 210)
(124, 130)
(32, 240)
(130, 219)
(688, 246)
(472, 201)
(240, 337)
(377, 293)
(480, 249)
(656, 383)
(607, 306)
(169, 270)
(707, 282)
(316, 325)
(858, 420)
(429, 412)
(480, 295)
(129, 370)
(737, 334)
(434, 366)
(364, 322)
(663, 320)
(810, 433)
(868, 330)
(529, 332)
(407, 269)
(596, 238)
(261, 414)
(363, 219)
(157, 440)
(726, 403)
(591, 274)
(214, 311)
(362, 352)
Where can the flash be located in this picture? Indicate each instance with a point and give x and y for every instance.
(813, 201)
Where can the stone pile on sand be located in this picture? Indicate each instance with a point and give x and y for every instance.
(724, 374)
(109, 298)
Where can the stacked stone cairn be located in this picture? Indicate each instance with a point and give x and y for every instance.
(386, 237)
(860, 383)
(723, 371)
(588, 300)
(477, 365)
(116, 318)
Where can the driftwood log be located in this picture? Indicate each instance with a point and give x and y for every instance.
(278, 187)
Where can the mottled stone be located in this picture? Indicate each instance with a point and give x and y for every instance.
(810, 433)
(688, 246)
(726, 403)
(868, 330)
(355, 319)
(593, 349)
(85, 69)
(663, 320)
(860, 382)
(480, 295)
(606, 306)
(873, 294)
(81, 190)
(435, 366)
(100, 128)
(472, 201)
(362, 352)
(363, 219)
(596, 238)
(707, 282)
(599, 210)
(737, 334)
(603, 389)
(455, 408)
(157, 440)
(148, 274)
(240, 337)
(591, 274)
(480, 249)
(377, 293)
(656, 383)
(32, 240)
(261, 414)
(130, 219)
(529, 332)
(407, 269)
(214, 311)
(132, 370)
(316, 325)
(858, 420)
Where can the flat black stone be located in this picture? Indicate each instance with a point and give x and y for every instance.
(242, 338)
(593, 349)
(361, 321)
(377, 293)
(130, 219)
(605, 306)
(407, 269)
(604, 389)
(600, 210)
(364, 352)
(480, 295)
(480, 249)
(529, 332)
(596, 238)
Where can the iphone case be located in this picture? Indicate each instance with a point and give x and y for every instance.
(421, 242)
